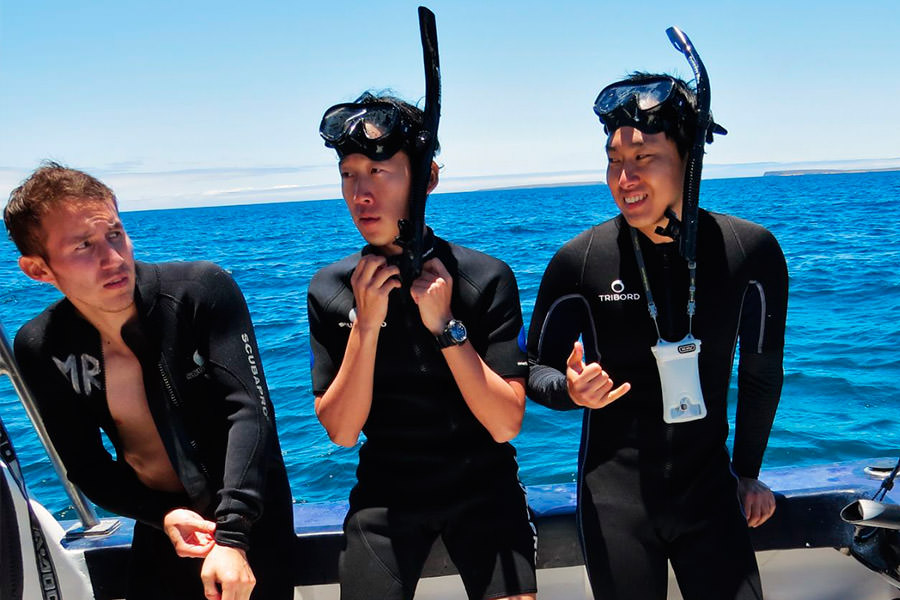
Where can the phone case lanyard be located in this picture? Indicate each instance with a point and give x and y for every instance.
(651, 306)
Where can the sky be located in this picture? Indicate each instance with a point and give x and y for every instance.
(197, 103)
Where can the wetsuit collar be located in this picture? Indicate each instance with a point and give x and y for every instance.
(147, 288)
(427, 248)
(145, 294)
(403, 261)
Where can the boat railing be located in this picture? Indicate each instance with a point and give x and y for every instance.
(90, 523)
(808, 501)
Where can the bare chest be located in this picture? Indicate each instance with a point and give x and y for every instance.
(141, 443)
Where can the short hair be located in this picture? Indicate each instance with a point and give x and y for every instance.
(413, 114)
(682, 128)
(50, 186)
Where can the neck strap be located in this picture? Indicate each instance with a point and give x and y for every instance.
(645, 280)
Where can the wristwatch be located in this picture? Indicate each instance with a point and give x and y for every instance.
(454, 334)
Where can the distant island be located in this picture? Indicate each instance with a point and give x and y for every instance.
(789, 173)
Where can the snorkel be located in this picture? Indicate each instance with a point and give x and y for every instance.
(412, 230)
(687, 237)
(380, 126)
(660, 103)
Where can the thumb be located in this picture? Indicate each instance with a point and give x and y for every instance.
(206, 526)
(574, 360)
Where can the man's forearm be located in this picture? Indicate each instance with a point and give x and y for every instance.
(497, 403)
(344, 407)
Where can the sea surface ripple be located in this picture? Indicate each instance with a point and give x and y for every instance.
(839, 234)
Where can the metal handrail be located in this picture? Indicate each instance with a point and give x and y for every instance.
(86, 513)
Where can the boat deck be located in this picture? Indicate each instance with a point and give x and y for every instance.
(797, 548)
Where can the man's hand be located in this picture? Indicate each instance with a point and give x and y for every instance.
(372, 282)
(758, 500)
(191, 534)
(589, 385)
(432, 292)
(226, 575)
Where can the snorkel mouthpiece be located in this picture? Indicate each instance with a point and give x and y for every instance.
(672, 228)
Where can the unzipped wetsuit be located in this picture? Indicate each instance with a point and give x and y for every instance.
(650, 490)
(207, 394)
(428, 467)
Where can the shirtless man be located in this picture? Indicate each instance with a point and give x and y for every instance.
(163, 359)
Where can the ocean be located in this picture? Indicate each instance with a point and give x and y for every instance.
(840, 237)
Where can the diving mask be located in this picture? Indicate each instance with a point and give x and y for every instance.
(652, 105)
(377, 130)
(645, 105)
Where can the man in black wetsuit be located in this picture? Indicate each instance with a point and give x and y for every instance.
(651, 490)
(430, 370)
(164, 360)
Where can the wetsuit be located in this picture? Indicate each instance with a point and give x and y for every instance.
(650, 490)
(207, 394)
(428, 467)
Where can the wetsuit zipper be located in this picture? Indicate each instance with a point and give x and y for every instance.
(167, 384)
(103, 372)
(667, 468)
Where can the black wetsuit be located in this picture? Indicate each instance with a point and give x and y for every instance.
(208, 397)
(651, 490)
(426, 456)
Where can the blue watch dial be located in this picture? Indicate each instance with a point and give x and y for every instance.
(457, 331)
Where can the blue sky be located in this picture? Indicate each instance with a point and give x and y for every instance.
(193, 103)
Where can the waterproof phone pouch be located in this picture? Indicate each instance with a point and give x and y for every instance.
(679, 375)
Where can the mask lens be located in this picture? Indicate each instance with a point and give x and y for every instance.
(654, 94)
(337, 121)
(610, 98)
(378, 123)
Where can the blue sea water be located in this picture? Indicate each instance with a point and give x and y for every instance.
(839, 234)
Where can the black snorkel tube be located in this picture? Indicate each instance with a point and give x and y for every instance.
(412, 230)
(687, 238)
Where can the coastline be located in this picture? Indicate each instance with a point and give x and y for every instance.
(796, 172)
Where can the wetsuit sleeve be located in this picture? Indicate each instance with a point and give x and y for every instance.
(75, 434)
(237, 373)
(553, 330)
(502, 322)
(760, 368)
(324, 365)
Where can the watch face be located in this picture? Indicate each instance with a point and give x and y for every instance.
(457, 331)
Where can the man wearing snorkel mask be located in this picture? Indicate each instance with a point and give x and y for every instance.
(429, 367)
(656, 480)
